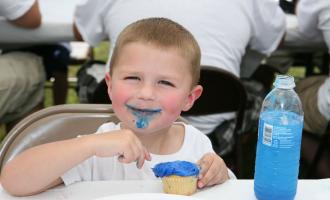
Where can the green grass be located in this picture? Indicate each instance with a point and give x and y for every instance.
(2, 132)
(102, 51)
(297, 72)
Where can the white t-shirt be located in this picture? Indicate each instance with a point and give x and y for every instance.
(194, 146)
(313, 22)
(13, 9)
(314, 19)
(223, 28)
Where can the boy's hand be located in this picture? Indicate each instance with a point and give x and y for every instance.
(213, 170)
(122, 143)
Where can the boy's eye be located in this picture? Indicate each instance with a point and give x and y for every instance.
(131, 78)
(167, 83)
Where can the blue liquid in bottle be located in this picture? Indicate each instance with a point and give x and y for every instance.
(279, 140)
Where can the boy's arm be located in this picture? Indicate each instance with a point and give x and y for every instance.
(40, 167)
(30, 19)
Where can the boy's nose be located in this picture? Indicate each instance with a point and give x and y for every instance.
(146, 92)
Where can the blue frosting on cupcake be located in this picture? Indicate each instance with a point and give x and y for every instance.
(179, 168)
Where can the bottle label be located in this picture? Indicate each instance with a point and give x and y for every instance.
(267, 134)
(279, 135)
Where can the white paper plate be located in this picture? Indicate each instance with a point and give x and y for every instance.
(148, 196)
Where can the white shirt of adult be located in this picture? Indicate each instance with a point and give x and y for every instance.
(314, 21)
(13, 9)
(194, 146)
(222, 28)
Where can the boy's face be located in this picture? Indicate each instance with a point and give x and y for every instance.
(149, 87)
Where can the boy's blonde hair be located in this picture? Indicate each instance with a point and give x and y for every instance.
(162, 33)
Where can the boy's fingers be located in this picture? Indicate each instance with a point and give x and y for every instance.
(208, 176)
(135, 152)
(121, 157)
(203, 174)
(129, 155)
(140, 162)
(223, 176)
(204, 165)
(217, 173)
(219, 177)
(145, 155)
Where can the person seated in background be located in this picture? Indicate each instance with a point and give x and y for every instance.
(56, 60)
(21, 74)
(24, 13)
(224, 29)
(153, 76)
(314, 91)
(314, 22)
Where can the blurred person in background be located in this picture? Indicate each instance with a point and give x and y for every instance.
(21, 74)
(56, 60)
(314, 91)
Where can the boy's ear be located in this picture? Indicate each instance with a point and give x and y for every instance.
(109, 83)
(195, 93)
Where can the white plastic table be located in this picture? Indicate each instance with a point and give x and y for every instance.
(232, 189)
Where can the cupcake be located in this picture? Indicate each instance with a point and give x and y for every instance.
(178, 177)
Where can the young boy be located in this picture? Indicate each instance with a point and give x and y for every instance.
(153, 76)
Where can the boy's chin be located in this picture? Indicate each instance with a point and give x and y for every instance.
(132, 126)
(151, 127)
(143, 131)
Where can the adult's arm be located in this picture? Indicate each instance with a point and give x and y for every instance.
(76, 33)
(308, 18)
(269, 20)
(30, 19)
(88, 22)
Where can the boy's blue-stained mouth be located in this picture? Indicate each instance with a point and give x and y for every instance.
(143, 111)
(143, 116)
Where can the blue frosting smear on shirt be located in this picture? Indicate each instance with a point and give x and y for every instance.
(179, 168)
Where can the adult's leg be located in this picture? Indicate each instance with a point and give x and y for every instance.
(307, 90)
(60, 87)
(56, 58)
(21, 85)
(56, 62)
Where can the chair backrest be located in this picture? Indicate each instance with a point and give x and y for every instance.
(53, 124)
(222, 92)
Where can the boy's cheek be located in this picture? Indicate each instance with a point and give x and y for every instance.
(119, 100)
(119, 96)
(173, 104)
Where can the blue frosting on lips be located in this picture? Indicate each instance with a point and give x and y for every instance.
(179, 168)
(143, 116)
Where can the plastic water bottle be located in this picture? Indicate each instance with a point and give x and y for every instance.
(279, 141)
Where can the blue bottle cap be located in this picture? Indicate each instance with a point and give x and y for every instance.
(284, 82)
